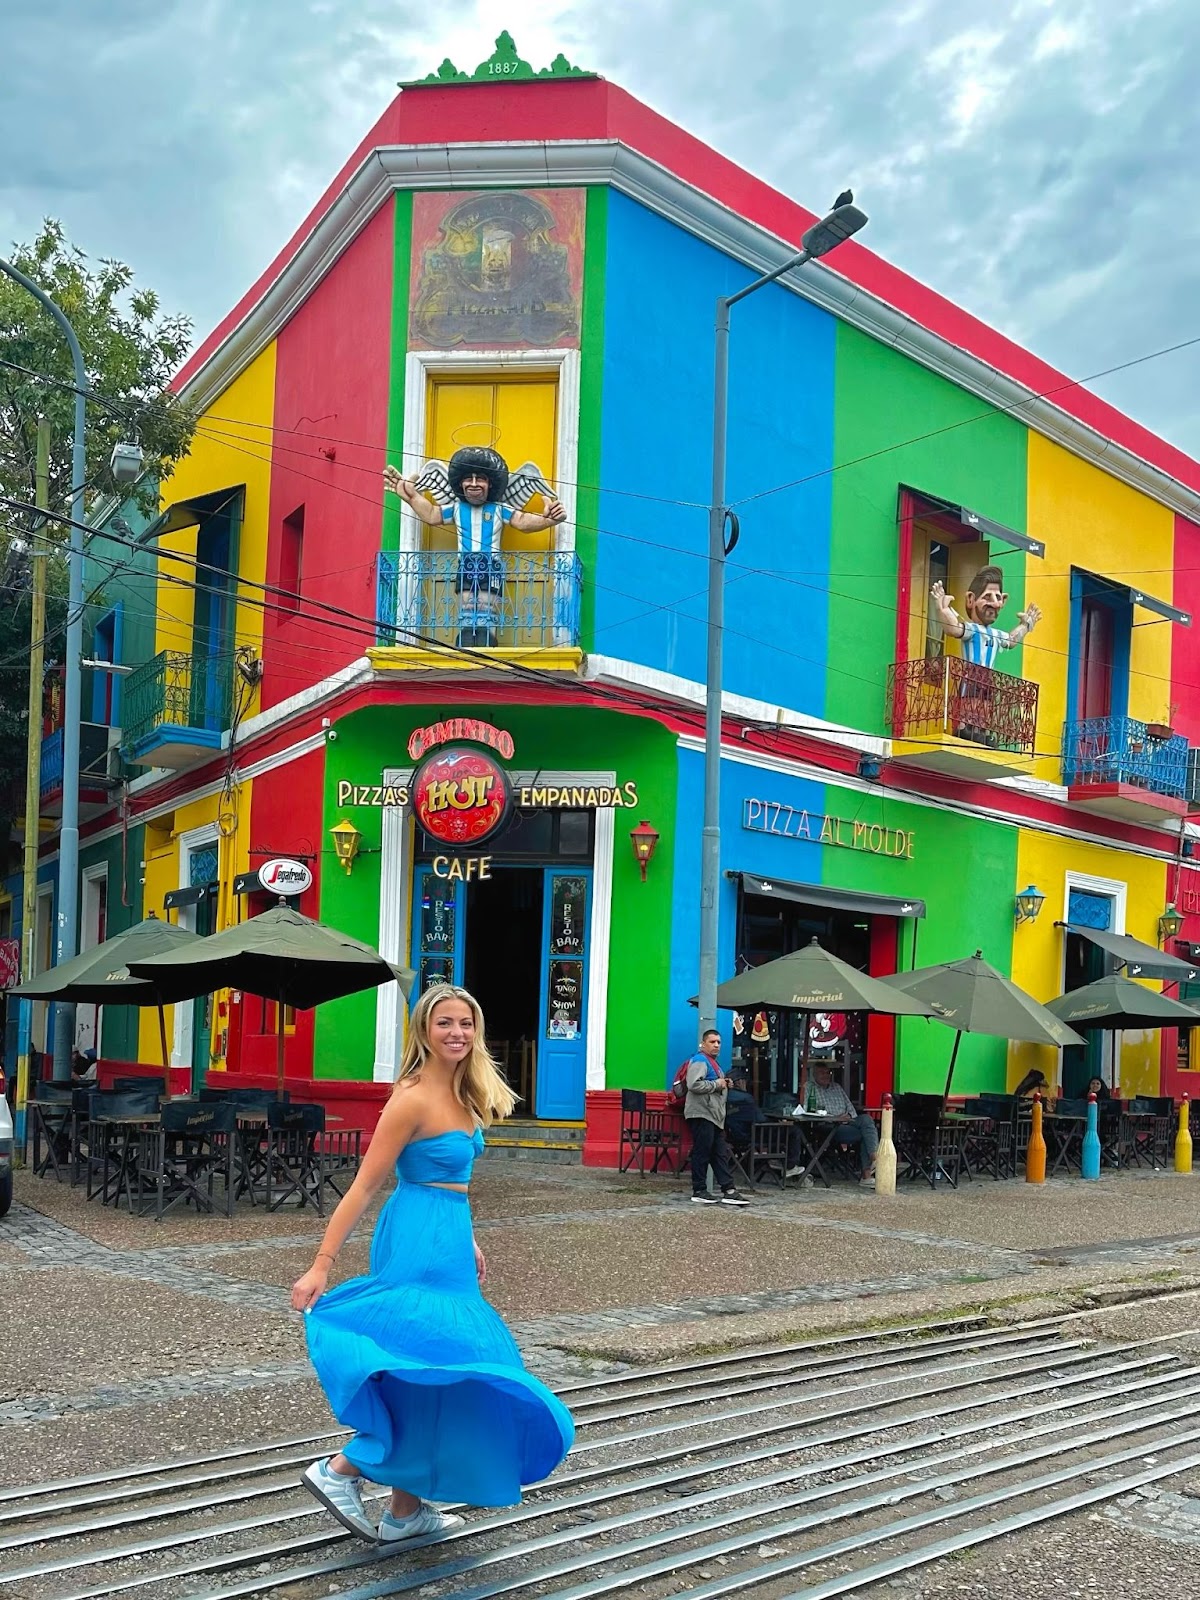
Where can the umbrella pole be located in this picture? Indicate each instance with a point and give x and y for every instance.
(162, 1039)
(279, 1048)
(804, 1058)
(953, 1059)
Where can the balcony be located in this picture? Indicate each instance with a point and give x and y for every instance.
(1119, 767)
(508, 606)
(176, 709)
(948, 715)
(94, 741)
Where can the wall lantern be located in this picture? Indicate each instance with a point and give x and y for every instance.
(1029, 904)
(1169, 923)
(346, 840)
(644, 839)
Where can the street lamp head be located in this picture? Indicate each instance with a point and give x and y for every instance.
(127, 463)
(826, 235)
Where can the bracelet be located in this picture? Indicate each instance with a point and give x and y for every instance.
(326, 1254)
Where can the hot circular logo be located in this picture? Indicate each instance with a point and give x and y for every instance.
(460, 796)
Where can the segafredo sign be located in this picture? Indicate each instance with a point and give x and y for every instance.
(283, 876)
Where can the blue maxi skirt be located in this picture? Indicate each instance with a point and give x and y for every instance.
(414, 1359)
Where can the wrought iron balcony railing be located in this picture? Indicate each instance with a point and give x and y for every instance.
(178, 691)
(945, 696)
(1124, 750)
(530, 600)
(93, 753)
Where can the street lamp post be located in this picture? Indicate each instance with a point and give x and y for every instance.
(68, 850)
(843, 221)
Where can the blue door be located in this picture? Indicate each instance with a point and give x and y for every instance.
(562, 1024)
(437, 930)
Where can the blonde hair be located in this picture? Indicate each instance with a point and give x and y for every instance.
(478, 1082)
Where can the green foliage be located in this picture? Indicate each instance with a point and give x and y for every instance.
(130, 352)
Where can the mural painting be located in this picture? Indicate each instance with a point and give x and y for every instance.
(497, 268)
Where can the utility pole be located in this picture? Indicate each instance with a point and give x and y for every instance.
(33, 784)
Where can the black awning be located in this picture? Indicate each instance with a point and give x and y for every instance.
(250, 883)
(821, 894)
(187, 513)
(982, 527)
(1140, 960)
(187, 897)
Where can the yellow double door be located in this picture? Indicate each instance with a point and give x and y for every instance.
(516, 416)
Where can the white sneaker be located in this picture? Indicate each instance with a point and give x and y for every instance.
(425, 1520)
(794, 1172)
(340, 1495)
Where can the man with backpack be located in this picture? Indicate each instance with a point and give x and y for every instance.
(704, 1113)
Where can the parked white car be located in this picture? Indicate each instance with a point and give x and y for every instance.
(6, 1150)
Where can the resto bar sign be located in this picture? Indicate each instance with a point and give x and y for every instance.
(820, 827)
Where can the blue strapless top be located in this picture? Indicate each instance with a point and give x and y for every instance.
(442, 1158)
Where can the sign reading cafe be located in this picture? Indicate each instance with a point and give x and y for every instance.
(820, 827)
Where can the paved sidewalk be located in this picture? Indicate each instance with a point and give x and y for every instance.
(128, 1339)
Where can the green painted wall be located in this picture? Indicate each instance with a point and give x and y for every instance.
(896, 423)
(591, 396)
(119, 1024)
(401, 269)
(963, 868)
(370, 740)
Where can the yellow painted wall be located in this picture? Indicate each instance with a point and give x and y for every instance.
(231, 813)
(1037, 950)
(225, 453)
(1092, 521)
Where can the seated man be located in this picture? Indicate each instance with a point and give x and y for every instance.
(742, 1111)
(857, 1128)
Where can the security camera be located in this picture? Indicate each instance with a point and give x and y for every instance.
(127, 463)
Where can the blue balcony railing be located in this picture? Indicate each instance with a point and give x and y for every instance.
(93, 758)
(1123, 750)
(528, 600)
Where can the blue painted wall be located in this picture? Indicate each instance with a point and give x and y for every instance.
(651, 569)
(741, 851)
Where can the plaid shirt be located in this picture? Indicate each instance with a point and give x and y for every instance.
(832, 1099)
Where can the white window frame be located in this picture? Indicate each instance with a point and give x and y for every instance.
(421, 365)
(191, 839)
(89, 938)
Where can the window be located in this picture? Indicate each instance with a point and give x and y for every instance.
(942, 550)
(106, 686)
(1098, 666)
(291, 562)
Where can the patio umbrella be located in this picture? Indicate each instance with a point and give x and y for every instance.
(811, 980)
(972, 997)
(281, 955)
(1117, 1002)
(100, 976)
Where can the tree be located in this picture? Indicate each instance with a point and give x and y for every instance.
(130, 352)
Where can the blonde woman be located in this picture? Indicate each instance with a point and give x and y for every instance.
(412, 1357)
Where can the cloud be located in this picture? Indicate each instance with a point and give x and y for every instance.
(1037, 165)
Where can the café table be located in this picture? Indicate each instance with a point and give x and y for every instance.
(1064, 1132)
(976, 1132)
(816, 1130)
(117, 1134)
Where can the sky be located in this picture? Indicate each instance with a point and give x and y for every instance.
(1033, 160)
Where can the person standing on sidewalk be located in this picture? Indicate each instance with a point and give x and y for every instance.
(704, 1113)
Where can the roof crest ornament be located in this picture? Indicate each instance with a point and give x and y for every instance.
(504, 65)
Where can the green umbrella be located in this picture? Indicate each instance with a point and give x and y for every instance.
(813, 980)
(972, 997)
(100, 976)
(1118, 1002)
(285, 957)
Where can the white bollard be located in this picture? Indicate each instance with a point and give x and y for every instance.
(885, 1156)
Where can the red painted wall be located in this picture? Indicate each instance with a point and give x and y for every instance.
(569, 110)
(285, 820)
(331, 399)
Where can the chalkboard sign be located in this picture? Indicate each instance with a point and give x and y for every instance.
(565, 1000)
(568, 908)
